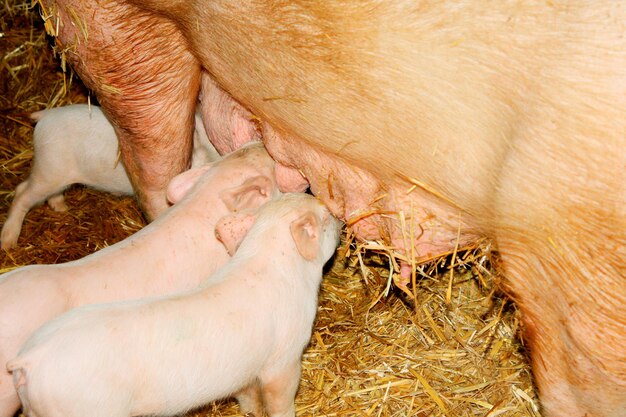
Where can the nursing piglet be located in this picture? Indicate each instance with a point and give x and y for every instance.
(174, 253)
(241, 333)
(77, 144)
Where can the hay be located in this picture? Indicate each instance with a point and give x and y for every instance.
(445, 346)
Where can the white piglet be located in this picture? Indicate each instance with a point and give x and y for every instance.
(174, 253)
(240, 334)
(77, 144)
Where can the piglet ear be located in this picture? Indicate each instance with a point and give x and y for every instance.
(231, 229)
(250, 195)
(305, 233)
(180, 185)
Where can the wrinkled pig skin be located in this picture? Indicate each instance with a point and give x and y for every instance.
(175, 252)
(500, 119)
(230, 124)
(167, 355)
(77, 144)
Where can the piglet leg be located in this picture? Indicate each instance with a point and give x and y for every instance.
(279, 391)
(250, 401)
(19, 380)
(9, 402)
(57, 202)
(27, 195)
(147, 86)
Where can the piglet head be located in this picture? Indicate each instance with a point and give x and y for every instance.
(251, 194)
(305, 232)
(316, 233)
(231, 229)
(242, 201)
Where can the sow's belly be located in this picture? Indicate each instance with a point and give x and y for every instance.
(394, 210)
(400, 151)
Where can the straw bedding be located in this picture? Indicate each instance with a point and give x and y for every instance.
(447, 346)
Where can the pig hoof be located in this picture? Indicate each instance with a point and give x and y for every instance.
(8, 242)
(57, 203)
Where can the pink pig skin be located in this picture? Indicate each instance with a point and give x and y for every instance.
(174, 253)
(242, 332)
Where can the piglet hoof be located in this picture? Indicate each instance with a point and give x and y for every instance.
(8, 241)
(57, 203)
(7, 246)
(249, 399)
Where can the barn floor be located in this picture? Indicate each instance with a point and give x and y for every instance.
(372, 353)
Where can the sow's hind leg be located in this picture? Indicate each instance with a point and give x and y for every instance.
(561, 230)
(146, 80)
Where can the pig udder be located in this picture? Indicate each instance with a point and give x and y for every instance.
(374, 208)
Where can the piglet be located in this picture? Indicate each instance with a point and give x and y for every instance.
(176, 252)
(77, 144)
(241, 333)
